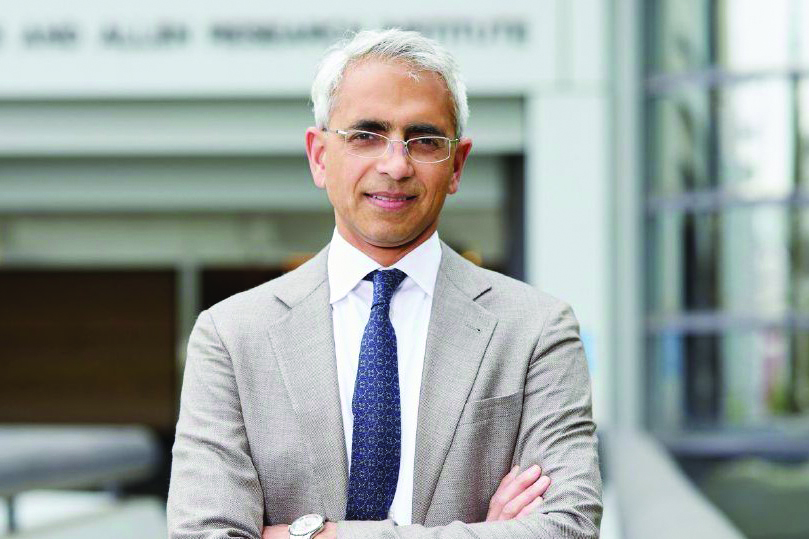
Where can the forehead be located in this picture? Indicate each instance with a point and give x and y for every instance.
(393, 92)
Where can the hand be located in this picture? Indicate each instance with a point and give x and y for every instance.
(518, 494)
(281, 531)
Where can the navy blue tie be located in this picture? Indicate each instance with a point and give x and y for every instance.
(376, 442)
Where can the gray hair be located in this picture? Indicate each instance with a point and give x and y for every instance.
(392, 44)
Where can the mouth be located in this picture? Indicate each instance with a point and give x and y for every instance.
(390, 201)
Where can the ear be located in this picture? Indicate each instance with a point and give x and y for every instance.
(462, 149)
(316, 153)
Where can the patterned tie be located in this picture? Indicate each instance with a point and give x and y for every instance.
(376, 443)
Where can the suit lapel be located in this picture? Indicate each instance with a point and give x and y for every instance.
(458, 335)
(303, 343)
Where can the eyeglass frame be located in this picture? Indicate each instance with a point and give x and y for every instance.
(345, 132)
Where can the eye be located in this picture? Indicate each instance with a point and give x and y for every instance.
(427, 142)
(360, 137)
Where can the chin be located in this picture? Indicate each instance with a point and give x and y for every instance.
(388, 241)
(390, 238)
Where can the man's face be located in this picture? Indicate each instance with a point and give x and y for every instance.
(384, 97)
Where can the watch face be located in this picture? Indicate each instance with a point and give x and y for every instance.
(306, 524)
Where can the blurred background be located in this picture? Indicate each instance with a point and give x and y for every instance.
(646, 161)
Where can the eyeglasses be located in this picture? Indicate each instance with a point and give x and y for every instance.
(430, 149)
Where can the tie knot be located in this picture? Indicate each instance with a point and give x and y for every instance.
(385, 284)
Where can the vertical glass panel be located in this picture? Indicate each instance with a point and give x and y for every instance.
(684, 272)
(744, 400)
(754, 269)
(800, 38)
(665, 293)
(667, 387)
(802, 104)
(700, 266)
(799, 252)
(758, 376)
(754, 34)
(703, 382)
(800, 359)
(756, 138)
(680, 36)
(680, 147)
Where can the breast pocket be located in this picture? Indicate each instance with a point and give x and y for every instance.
(482, 447)
(503, 407)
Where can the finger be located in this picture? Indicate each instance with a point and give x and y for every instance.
(527, 496)
(524, 480)
(501, 496)
(531, 507)
(508, 478)
(544, 482)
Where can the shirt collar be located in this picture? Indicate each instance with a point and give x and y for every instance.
(347, 265)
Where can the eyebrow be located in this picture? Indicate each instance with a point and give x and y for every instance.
(376, 126)
(381, 126)
(424, 129)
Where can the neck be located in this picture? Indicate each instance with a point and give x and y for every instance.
(383, 255)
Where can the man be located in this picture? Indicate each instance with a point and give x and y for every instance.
(387, 387)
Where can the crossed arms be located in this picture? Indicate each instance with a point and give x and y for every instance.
(518, 494)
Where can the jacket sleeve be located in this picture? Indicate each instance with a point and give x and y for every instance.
(214, 490)
(557, 431)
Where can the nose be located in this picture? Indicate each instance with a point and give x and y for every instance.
(395, 162)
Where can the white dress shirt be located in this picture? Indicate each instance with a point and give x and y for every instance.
(410, 309)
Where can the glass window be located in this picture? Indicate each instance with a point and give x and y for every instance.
(747, 129)
(746, 260)
(680, 142)
(727, 229)
(756, 138)
(739, 378)
(735, 35)
(754, 35)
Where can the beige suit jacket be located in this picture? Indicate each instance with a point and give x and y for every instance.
(260, 436)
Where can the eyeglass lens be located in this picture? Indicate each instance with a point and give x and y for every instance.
(422, 149)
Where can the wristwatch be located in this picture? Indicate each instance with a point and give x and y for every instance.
(306, 527)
